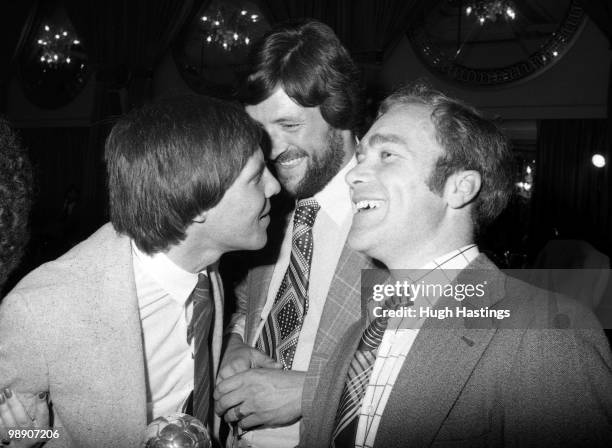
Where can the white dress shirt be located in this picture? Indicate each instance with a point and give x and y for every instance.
(329, 233)
(163, 288)
(395, 346)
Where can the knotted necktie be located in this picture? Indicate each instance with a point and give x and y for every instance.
(358, 377)
(199, 330)
(280, 334)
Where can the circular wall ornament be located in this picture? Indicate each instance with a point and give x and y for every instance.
(495, 42)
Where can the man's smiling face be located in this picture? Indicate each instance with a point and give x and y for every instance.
(307, 152)
(395, 210)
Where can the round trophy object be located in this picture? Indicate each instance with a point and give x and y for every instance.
(176, 431)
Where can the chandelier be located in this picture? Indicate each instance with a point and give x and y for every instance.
(490, 10)
(228, 28)
(56, 46)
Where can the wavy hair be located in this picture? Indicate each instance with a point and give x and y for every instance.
(309, 62)
(15, 199)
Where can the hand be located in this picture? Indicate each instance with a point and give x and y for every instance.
(13, 415)
(240, 357)
(255, 397)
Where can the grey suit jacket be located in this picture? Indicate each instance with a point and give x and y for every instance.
(341, 310)
(510, 386)
(72, 327)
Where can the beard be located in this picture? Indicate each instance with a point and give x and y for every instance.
(321, 169)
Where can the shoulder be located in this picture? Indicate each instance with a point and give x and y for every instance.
(92, 261)
(530, 306)
(547, 309)
(551, 330)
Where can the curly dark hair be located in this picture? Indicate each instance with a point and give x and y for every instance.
(15, 199)
(309, 62)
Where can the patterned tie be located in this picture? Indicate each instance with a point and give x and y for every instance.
(358, 377)
(280, 334)
(199, 330)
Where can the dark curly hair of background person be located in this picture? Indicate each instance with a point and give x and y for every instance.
(15, 199)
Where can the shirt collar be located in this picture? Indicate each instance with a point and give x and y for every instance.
(173, 279)
(335, 198)
(457, 259)
(451, 263)
(443, 269)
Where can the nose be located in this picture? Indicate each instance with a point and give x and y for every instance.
(271, 186)
(356, 175)
(276, 143)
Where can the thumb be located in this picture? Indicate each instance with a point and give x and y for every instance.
(262, 360)
(269, 363)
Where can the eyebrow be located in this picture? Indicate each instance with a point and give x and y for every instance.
(379, 139)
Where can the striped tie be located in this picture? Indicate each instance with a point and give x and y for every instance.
(199, 330)
(280, 334)
(358, 377)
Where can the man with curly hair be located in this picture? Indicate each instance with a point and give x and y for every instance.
(15, 192)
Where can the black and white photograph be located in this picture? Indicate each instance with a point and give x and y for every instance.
(305, 223)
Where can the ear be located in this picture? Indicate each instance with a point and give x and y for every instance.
(201, 218)
(462, 187)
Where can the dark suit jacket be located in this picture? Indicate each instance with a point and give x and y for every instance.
(505, 385)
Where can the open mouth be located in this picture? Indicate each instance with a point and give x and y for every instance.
(366, 205)
(289, 159)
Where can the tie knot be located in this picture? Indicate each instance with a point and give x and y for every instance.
(306, 212)
(395, 302)
(373, 335)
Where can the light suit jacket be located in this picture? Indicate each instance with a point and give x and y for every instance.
(72, 327)
(505, 385)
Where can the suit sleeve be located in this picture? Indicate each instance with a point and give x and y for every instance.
(22, 361)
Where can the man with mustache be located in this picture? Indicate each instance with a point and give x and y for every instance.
(304, 90)
(126, 325)
(535, 370)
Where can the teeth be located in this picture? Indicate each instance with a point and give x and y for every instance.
(366, 205)
(289, 161)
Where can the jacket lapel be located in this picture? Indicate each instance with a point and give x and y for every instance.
(262, 269)
(342, 309)
(259, 280)
(317, 427)
(343, 303)
(438, 365)
(217, 295)
(121, 353)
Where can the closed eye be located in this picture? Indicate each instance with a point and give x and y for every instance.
(289, 126)
(257, 179)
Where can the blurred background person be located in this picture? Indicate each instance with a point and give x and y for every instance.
(15, 200)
